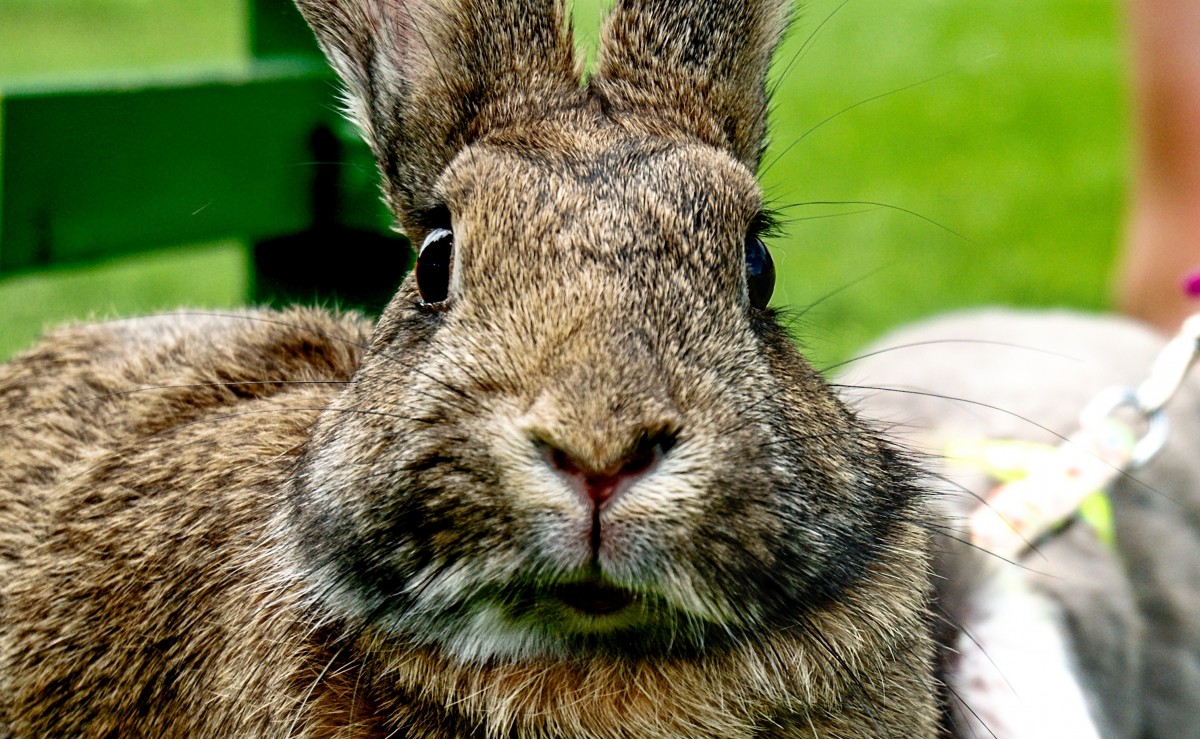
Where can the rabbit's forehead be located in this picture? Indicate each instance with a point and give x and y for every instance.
(603, 195)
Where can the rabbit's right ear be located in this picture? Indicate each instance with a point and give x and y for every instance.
(697, 66)
(425, 78)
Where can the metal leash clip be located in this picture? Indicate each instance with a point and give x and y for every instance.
(1118, 410)
(1167, 375)
(1120, 430)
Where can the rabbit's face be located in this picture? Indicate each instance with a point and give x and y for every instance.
(596, 441)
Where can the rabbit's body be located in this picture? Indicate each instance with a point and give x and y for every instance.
(151, 583)
(576, 482)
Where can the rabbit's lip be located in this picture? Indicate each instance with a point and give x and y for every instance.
(593, 597)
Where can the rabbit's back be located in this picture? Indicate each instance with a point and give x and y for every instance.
(143, 463)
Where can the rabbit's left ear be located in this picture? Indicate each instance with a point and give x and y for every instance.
(697, 66)
(425, 78)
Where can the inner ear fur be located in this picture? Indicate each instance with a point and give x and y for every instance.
(425, 78)
(695, 66)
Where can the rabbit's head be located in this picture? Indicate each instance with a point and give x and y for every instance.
(579, 430)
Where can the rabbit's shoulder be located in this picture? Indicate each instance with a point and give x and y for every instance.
(145, 460)
(94, 389)
(91, 382)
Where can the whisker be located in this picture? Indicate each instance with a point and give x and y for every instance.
(1125, 474)
(951, 399)
(824, 216)
(937, 342)
(805, 48)
(945, 618)
(835, 292)
(959, 699)
(845, 110)
(887, 206)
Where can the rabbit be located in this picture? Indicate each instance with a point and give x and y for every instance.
(576, 480)
(1075, 637)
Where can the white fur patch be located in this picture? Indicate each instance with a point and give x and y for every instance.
(1015, 675)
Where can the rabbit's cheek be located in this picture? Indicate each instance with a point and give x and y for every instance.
(644, 526)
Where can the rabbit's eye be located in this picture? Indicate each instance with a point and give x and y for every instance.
(760, 272)
(433, 265)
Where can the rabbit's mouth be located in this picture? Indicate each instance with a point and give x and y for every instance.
(577, 615)
(594, 598)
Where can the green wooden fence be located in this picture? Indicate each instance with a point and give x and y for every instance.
(259, 154)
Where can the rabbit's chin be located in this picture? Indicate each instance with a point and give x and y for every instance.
(553, 628)
(560, 621)
(583, 613)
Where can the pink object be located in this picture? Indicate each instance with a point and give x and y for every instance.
(1191, 284)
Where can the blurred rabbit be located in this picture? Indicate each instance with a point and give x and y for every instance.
(1075, 638)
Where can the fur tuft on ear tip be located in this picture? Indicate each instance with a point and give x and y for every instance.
(424, 78)
(363, 41)
(699, 66)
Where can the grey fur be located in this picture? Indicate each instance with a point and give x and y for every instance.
(1132, 616)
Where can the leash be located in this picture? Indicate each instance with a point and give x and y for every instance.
(1044, 486)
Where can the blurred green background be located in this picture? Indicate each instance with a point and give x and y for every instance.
(994, 172)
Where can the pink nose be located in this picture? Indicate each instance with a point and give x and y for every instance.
(598, 487)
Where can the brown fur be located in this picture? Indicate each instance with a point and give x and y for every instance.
(360, 541)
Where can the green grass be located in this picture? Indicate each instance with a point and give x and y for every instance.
(56, 37)
(211, 275)
(1015, 141)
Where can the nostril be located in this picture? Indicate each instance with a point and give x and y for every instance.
(599, 484)
(563, 462)
(650, 448)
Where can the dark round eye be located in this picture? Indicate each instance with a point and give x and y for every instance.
(433, 265)
(760, 272)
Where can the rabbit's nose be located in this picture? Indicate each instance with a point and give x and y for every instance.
(599, 484)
